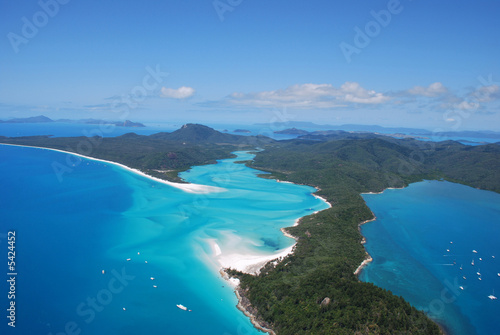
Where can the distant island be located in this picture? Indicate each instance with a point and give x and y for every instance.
(33, 119)
(317, 286)
(389, 131)
(44, 119)
(242, 131)
(292, 131)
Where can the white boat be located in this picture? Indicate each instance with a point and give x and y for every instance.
(128, 259)
(472, 263)
(480, 259)
(478, 273)
(184, 308)
(492, 297)
(152, 278)
(461, 287)
(448, 250)
(474, 251)
(102, 271)
(498, 274)
(460, 266)
(464, 277)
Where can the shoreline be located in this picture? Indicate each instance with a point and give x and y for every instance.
(250, 263)
(245, 306)
(368, 259)
(190, 188)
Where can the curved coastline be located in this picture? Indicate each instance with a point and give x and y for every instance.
(369, 258)
(190, 188)
(247, 263)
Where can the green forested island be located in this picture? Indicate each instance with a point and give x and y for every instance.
(314, 290)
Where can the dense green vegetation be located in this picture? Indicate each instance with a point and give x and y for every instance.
(288, 297)
(313, 291)
(162, 155)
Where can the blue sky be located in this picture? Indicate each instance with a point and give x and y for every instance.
(430, 64)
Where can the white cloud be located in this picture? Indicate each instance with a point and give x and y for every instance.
(433, 90)
(310, 96)
(180, 93)
(486, 93)
(465, 105)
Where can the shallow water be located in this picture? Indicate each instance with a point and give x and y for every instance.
(98, 215)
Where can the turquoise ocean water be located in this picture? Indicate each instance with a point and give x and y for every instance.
(74, 235)
(423, 243)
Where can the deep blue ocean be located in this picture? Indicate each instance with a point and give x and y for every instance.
(423, 243)
(99, 215)
(74, 235)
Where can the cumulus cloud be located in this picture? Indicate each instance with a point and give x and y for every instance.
(310, 96)
(182, 92)
(433, 90)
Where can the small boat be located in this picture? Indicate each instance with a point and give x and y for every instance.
(474, 251)
(478, 273)
(479, 278)
(155, 286)
(492, 297)
(498, 274)
(184, 308)
(128, 259)
(152, 278)
(464, 277)
(472, 263)
(451, 242)
(124, 309)
(480, 259)
(448, 250)
(138, 253)
(102, 271)
(460, 266)
(461, 287)
(146, 262)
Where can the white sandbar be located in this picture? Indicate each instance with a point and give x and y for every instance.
(190, 188)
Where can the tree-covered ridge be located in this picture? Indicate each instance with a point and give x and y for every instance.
(163, 155)
(314, 291)
(289, 296)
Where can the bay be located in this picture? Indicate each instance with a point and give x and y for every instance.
(423, 242)
(107, 251)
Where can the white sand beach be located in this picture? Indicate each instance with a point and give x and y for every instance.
(248, 262)
(190, 188)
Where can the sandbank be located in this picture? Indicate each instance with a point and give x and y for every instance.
(247, 262)
(190, 188)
